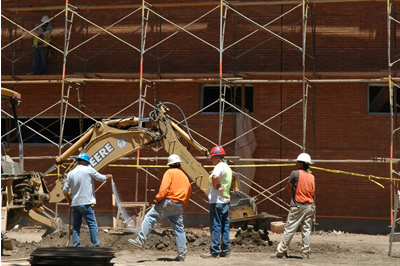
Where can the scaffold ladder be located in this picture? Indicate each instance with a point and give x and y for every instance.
(394, 236)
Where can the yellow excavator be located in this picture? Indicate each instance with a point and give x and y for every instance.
(23, 194)
(107, 141)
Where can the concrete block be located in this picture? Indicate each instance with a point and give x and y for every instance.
(277, 227)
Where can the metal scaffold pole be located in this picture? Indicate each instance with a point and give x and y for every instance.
(66, 42)
(142, 48)
(392, 86)
(305, 83)
(222, 87)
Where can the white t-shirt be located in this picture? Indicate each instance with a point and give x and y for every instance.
(80, 181)
(214, 196)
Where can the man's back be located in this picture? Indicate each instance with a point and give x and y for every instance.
(176, 186)
(80, 180)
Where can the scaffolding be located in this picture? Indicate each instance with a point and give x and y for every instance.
(147, 11)
(393, 85)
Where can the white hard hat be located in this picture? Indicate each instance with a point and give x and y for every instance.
(304, 157)
(173, 158)
(44, 19)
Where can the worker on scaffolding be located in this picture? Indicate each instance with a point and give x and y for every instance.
(302, 208)
(41, 46)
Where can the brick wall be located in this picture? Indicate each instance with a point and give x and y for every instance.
(338, 129)
(345, 40)
(349, 37)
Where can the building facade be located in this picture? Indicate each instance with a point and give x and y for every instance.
(313, 78)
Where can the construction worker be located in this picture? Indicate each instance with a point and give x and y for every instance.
(172, 199)
(219, 200)
(302, 208)
(41, 46)
(81, 182)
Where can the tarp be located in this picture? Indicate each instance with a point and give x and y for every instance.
(245, 147)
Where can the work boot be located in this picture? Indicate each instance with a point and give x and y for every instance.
(179, 258)
(279, 255)
(135, 242)
(224, 255)
(209, 256)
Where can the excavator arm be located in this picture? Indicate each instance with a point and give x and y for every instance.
(107, 141)
(25, 193)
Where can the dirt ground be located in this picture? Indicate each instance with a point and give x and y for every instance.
(248, 248)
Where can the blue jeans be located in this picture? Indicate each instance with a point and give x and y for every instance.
(174, 212)
(87, 212)
(40, 57)
(219, 227)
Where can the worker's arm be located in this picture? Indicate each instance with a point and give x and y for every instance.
(66, 195)
(185, 203)
(292, 179)
(38, 29)
(99, 177)
(164, 187)
(65, 190)
(48, 31)
(215, 182)
(216, 175)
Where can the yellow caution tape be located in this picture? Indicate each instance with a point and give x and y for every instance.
(370, 177)
(53, 175)
(205, 166)
(138, 166)
(259, 165)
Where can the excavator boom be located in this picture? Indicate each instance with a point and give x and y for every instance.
(105, 142)
(110, 140)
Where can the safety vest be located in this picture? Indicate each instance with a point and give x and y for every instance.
(46, 39)
(305, 187)
(225, 181)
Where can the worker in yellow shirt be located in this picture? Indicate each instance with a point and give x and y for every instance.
(41, 46)
(172, 199)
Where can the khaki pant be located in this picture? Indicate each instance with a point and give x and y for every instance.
(298, 216)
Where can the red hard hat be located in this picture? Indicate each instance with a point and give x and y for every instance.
(217, 150)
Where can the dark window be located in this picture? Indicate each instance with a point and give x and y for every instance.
(233, 95)
(49, 128)
(378, 98)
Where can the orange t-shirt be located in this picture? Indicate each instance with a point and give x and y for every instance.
(175, 185)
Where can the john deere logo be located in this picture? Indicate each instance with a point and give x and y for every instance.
(101, 154)
(121, 143)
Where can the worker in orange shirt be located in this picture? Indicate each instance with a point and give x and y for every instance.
(172, 199)
(302, 208)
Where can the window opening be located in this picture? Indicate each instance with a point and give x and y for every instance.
(210, 94)
(378, 99)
